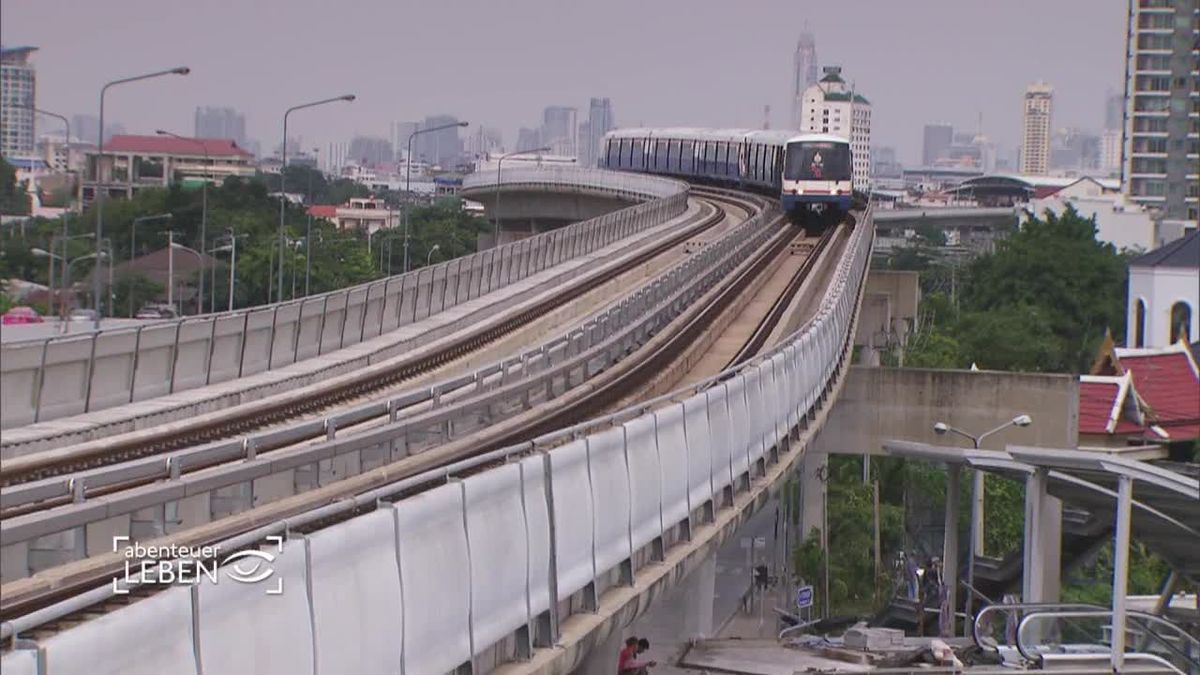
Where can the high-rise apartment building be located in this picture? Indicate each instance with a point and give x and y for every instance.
(1035, 129)
(831, 106)
(220, 123)
(1161, 163)
(591, 136)
(370, 151)
(559, 126)
(400, 132)
(18, 90)
(936, 143)
(804, 73)
(441, 148)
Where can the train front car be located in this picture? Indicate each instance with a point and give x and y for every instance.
(817, 187)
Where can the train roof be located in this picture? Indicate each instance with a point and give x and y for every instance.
(700, 134)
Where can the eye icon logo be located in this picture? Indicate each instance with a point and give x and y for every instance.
(252, 566)
(249, 567)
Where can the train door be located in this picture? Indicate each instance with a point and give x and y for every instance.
(743, 165)
(687, 157)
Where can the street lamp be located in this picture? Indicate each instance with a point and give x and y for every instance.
(171, 268)
(67, 124)
(231, 247)
(133, 248)
(977, 495)
(408, 178)
(203, 208)
(500, 162)
(283, 173)
(100, 190)
(65, 239)
(308, 228)
(429, 256)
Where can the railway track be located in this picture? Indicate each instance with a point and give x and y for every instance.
(344, 392)
(574, 405)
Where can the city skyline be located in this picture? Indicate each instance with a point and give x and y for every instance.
(512, 86)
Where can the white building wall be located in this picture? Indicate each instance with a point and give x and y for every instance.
(840, 118)
(1119, 222)
(1160, 288)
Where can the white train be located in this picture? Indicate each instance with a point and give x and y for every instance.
(811, 173)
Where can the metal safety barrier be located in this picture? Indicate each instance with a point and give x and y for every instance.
(483, 568)
(68, 375)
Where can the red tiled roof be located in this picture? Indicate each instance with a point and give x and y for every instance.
(1168, 383)
(1102, 404)
(323, 210)
(169, 145)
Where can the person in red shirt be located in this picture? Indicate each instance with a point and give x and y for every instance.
(627, 663)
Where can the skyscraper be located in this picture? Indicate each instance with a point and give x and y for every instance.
(18, 92)
(936, 143)
(832, 106)
(214, 122)
(1035, 129)
(600, 122)
(439, 147)
(558, 130)
(370, 151)
(804, 74)
(400, 133)
(1162, 120)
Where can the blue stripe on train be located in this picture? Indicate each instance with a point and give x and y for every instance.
(794, 202)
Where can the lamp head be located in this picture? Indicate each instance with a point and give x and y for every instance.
(940, 428)
(1022, 420)
(463, 124)
(41, 253)
(182, 70)
(349, 97)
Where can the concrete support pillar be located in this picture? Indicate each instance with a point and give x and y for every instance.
(1043, 542)
(602, 659)
(1121, 570)
(813, 468)
(950, 543)
(697, 594)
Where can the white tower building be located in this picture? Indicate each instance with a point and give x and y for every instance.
(831, 106)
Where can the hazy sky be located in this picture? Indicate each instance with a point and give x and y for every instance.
(662, 62)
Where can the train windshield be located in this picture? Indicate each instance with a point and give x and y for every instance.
(817, 160)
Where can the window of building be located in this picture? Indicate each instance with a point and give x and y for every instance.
(1147, 187)
(1151, 103)
(1181, 321)
(1149, 144)
(1139, 324)
(1154, 4)
(1153, 62)
(1155, 20)
(1153, 83)
(1150, 124)
(1154, 41)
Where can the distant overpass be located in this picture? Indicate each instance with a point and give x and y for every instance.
(971, 228)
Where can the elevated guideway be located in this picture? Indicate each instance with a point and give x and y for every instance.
(533, 557)
(114, 381)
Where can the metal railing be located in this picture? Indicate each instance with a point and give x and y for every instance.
(68, 375)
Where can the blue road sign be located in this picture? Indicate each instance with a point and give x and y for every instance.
(804, 597)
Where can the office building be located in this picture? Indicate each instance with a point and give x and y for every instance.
(559, 126)
(371, 151)
(936, 143)
(591, 136)
(400, 132)
(440, 148)
(1162, 116)
(1035, 129)
(18, 94)
(132, 163)
(220, 123)
(831, 106)
(484, 142)
(804, 73)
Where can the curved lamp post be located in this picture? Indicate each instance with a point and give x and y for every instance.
(408, 178)
(100, 190)
(283, 172)
(499, 163)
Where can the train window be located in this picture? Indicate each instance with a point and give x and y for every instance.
(812, 160)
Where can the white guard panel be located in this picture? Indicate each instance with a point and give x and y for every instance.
(610, 497)
(537, 523)
(20, 662)
(739, 423)
(722, 436)
(150, 636)
(435, 574)
(778, 399)
(756, 406)
(673, 454)
(357, 606)
(242, 629)
(644, 480)
(572, 517)
(499, 565)
(699, 445)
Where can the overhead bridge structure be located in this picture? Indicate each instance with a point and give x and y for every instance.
(530, 558)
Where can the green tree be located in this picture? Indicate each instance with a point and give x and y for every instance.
(13, 199)
(133, 291)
